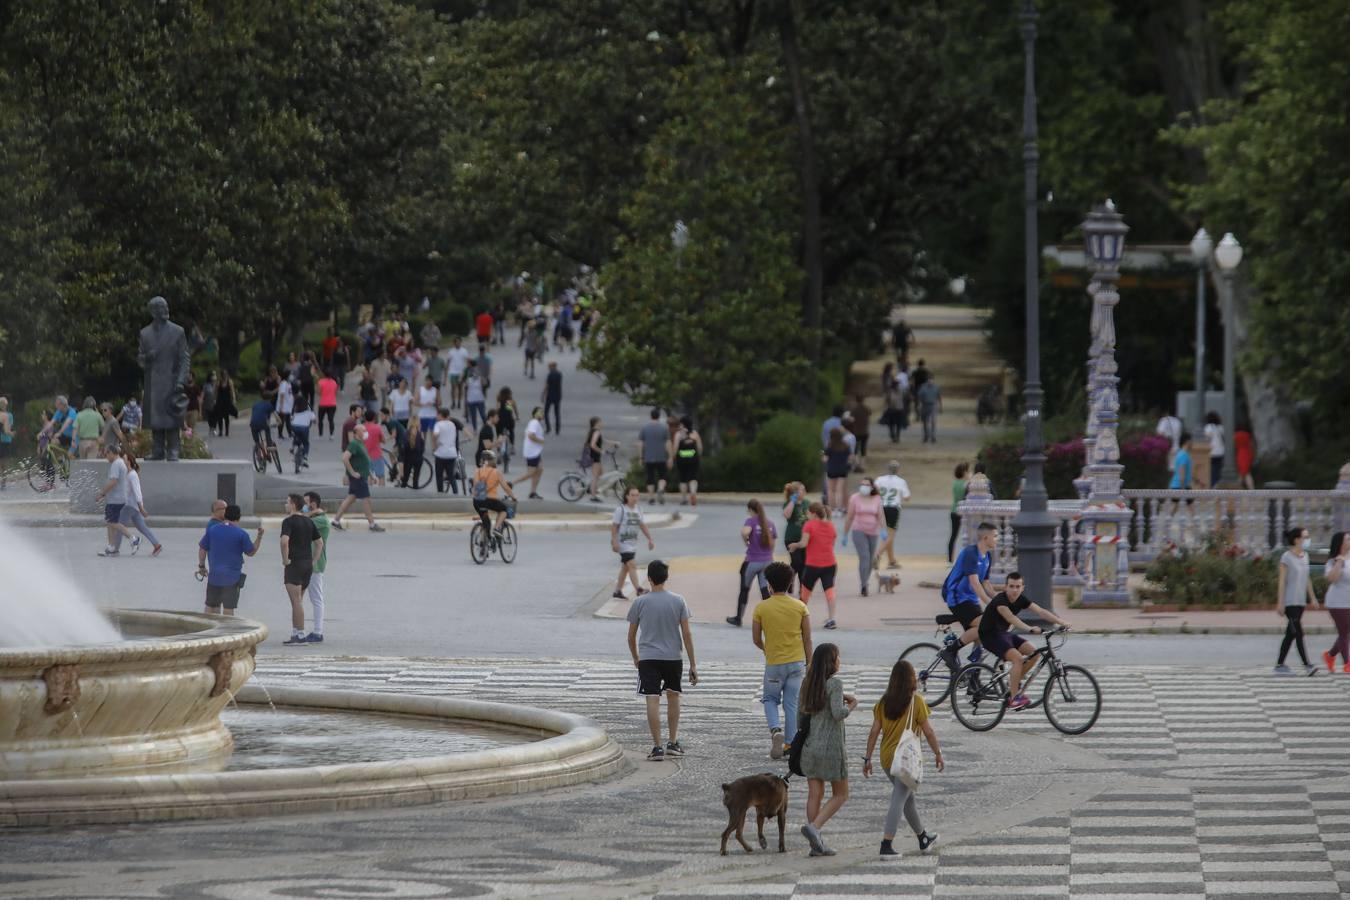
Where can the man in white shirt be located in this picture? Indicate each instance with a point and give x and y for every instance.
(115, 492)
(894, 490)
(534, 451)
(1169, 426)
(457, 360)
(445, 451)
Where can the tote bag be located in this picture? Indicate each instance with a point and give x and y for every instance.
(907, 764)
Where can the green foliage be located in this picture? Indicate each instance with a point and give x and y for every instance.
(1219, 573)
(1277, 175)
(1144, 456)
(713, 329)
(190, 447)
(785, 448)
(1315, 467)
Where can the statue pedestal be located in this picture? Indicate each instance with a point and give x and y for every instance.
(183, 488)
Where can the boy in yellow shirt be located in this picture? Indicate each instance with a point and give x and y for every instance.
(782, 629)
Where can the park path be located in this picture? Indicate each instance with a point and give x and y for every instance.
(951, 341)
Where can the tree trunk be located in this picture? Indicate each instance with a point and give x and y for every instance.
(1271, 410)
(227, 343)
(809, 174)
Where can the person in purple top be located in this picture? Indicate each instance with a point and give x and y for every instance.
(758, 533)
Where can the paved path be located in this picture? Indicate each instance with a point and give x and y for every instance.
(1195, 783)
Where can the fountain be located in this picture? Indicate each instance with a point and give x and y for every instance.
(116, 717)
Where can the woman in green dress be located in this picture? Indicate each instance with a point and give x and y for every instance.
(824, 702)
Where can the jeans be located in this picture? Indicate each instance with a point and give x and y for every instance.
(867, 546)
(476, 411)
(132, 518)
(782, 685)
(929, 416)
(554, 405)
(445, 474)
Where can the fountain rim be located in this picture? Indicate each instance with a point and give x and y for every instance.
(201, 634)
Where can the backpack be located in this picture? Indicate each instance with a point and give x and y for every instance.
(480, 489)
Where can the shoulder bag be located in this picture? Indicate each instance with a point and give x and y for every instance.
(907, 764)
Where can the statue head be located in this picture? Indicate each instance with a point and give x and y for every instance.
(159, 309)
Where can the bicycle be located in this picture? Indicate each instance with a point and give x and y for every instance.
(263, 453)
(934, 675)
(51, 463)
(1072, 698)
(482, 542)
(418, 479)
(575, 485)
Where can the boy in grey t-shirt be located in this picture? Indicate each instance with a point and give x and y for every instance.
(661, 620)
(115, 492)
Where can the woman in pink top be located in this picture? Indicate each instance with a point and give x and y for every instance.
(328, 397)
(864, 523)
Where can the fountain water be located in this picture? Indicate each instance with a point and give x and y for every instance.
(41, 606)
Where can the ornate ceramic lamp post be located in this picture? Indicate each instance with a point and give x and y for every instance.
(1106, 517)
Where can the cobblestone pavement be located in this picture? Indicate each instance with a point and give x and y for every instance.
(1194, 783)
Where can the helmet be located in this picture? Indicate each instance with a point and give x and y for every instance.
(489, 456)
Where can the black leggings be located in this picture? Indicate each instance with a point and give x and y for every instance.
(445, 475)
(956, 530)
(1293, 634)
(797, 559)
(327, 412)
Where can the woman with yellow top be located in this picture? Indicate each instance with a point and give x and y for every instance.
(889, 718)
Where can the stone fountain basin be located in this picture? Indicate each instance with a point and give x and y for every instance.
(571, 750)
(150, 703)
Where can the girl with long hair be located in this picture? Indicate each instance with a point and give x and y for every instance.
(758, 535)
(1295, 593)
(838, 460)
(898, 709)
(414, 448)
(133, 513)
(817, 540)
(592, 454)
(688, 447)
(824, 702)
(796, 509)
(1337, 600)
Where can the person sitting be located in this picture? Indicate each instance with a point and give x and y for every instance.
(487, 481)
(999, 617)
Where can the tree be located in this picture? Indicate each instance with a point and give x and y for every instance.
(713, 328)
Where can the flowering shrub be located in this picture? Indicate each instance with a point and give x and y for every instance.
(1144, 457)
(1218, 573)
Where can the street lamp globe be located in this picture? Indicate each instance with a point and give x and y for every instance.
(1229, 253)
(1201, 246)
(1104, 233)
(679, 235)
(957, 286)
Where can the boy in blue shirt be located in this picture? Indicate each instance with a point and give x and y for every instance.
(1183, 470)
(225, 545)
(966, 587)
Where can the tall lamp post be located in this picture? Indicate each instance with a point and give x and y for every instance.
(1033, 525)
(1229, 256)
(1201, 246)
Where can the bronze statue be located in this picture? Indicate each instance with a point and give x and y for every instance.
(164, 356)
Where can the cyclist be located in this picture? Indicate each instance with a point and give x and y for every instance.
(966, 586)
(301, 422)
(487, 481)
(999, 616)
(63, 422)
(260, 422)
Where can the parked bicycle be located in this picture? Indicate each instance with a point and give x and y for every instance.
(1072, 699)
(575, 485)
(422, 476)
(483, 543)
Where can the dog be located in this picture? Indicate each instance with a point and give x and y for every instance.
(768, 794)
(887, 583)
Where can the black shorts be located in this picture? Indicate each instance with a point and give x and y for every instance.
(226, 595)
(658, 675)
(688, 471)
(966, 613)
(656, 472)
(823, 574)
(358, 487)
(298, 572)
(892, 514)
(999, 644)
(625, 557)
(533, 463)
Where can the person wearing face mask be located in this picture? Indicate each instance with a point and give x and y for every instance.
(863, 521)
(1295, 594)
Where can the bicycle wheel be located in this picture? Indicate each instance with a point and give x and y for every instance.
(621, 489)
(571, 487)
(421, 476)
(507, 547)
(259, 459)
(276, 458)
(978, 697)
(934, 675)
(1072, 699)
(40, 480)
(479, 547)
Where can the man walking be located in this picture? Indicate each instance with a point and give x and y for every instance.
(300, 546)
(116, 492)
(225, 544)
(314, 509)
(782, 629)
(357, 463)
(658, 622)
(534, 451)
(553, 398)
(457, 360)
(444, 451)
(655, 441)
(930, 404)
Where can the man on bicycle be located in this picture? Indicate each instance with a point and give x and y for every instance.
(487, 481)
(260, 422)
(966, 586)
(999, 616)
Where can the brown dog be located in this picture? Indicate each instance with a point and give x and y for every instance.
(886, 584)
(768, 794)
